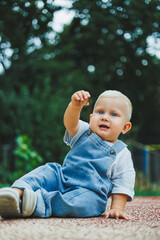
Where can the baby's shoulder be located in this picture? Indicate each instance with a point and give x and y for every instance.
(124, 157)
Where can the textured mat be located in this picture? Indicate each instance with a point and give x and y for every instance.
(145, 225)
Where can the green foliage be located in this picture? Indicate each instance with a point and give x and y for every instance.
(26, 158)
(38, 80)
(25, 155)
(153, 147)
(4, 177)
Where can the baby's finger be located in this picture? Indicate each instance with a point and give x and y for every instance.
(107, 214)
(117, 215)
(110, 214)
(77, 96)
(125, 216)
(86, 94)
(83, 95)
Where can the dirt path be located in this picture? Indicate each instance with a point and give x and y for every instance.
(145, 225)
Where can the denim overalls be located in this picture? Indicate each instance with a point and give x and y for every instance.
(78, 188)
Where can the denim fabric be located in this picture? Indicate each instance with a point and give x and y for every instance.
(78, 188)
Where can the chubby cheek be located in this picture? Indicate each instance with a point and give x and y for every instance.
(92, 124)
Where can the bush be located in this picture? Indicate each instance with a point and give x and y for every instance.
(26, 158)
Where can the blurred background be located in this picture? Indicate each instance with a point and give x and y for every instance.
(50, 49)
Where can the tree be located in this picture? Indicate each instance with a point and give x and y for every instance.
(27, 93)
(107, 43)
(105, 47)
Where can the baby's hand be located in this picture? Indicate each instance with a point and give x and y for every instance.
(80, 98)
(116, 213)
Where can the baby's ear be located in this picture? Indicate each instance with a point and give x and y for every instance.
(90, 116)
(126, 128)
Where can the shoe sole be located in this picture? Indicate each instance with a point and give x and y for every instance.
(9, 204)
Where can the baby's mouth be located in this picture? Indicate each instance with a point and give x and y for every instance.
(103, 126)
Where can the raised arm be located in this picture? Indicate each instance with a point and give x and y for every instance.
(72, 113)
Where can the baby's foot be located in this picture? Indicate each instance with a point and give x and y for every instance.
(10, 203)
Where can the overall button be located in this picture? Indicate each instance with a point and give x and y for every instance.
(89, 133)
(112, 152)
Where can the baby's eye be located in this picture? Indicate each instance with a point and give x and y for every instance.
(113, 114)
(100, 112)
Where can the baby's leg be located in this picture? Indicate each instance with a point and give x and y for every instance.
(44, 177)
(79, 202)
(20, 191)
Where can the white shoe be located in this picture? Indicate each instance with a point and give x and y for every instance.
(10, 203)
(29, 202)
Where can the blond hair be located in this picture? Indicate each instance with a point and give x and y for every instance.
(118, 94)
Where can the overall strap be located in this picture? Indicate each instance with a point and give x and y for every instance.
(113, 150)
(118, 146)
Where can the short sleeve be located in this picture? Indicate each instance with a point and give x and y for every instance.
(123, 175)
(70, 141)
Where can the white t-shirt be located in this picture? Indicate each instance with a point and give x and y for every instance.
(121, 173)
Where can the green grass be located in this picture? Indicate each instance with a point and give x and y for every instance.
(4, 185)
(147, 193)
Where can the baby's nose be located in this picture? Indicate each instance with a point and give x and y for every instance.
(105, 117)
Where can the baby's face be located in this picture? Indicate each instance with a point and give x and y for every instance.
(109, 118)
